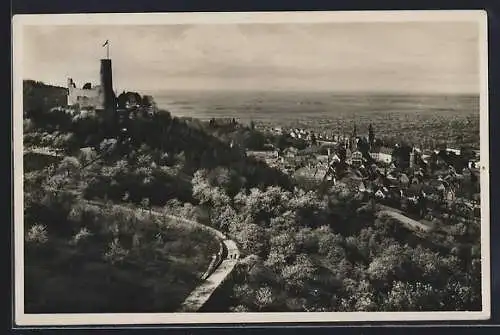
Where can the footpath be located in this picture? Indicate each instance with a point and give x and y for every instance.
(406, 221)
(219, 269)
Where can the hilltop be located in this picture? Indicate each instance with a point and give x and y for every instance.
(144, 158)
(39, 96)
(154, 144)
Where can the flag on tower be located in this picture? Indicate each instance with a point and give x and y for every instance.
(105, 43)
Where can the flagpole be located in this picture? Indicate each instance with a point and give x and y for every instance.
(107, 50)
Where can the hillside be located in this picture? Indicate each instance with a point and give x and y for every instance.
(38, 96)
(145, 155)
(301, 250)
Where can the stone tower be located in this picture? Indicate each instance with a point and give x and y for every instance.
(107, 94)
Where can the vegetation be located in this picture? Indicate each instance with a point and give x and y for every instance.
(303, 253)
(301, 250)
(86, 257)
(117, 261)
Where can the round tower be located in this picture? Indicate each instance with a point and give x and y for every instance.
(107, 94)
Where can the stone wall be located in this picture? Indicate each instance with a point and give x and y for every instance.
(85, 97)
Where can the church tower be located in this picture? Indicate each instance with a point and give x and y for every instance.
(371, 136)
(354, 144)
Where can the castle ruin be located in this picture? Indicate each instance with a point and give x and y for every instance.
(99, 97)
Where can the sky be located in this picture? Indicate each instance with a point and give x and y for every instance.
(409, 57)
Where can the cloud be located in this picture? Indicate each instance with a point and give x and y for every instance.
(364, 56)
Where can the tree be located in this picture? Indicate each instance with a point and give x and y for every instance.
(212, 198)
(228, 218)
(239, 309)
(108, 145)
(82, 235)
(70, 166)
(330, 245)
(264, 298)
(405, 296)
(252, 239)
(298, 273)
(148, 101)
(314, 140)
(359, 296)
(244, 294)
(37, 234)
(115, 253)
(262, 205)
(384, 267)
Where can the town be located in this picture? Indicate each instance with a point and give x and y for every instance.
(433, 185)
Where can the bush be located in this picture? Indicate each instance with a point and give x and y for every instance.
(82, 235)
(115, 253)
(37, 234)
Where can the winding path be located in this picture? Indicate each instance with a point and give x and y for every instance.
(218, 271)
(43, 151)
(408, 222)
(200, 295)
(405, 220)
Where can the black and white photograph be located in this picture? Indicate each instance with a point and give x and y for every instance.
(251, 167)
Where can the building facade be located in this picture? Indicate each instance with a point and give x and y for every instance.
(383, 155)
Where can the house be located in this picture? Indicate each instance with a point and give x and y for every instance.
(265, 156)
(382, 154)
(291, 152)
(472, 164)
(455, 151)
(357, 158)
(425, 158)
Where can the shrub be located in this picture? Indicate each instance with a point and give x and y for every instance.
(264, 297)
(239, 309)
(82, 235)
(37, 234)
(115, 253)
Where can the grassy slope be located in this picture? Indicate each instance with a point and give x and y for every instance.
(61, 277)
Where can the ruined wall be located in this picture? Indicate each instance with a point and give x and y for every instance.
(84, 97)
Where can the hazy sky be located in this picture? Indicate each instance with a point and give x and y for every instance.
(405, 57)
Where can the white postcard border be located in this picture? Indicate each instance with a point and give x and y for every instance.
(22, 319)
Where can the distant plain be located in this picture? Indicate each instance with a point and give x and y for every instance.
(451, 118)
